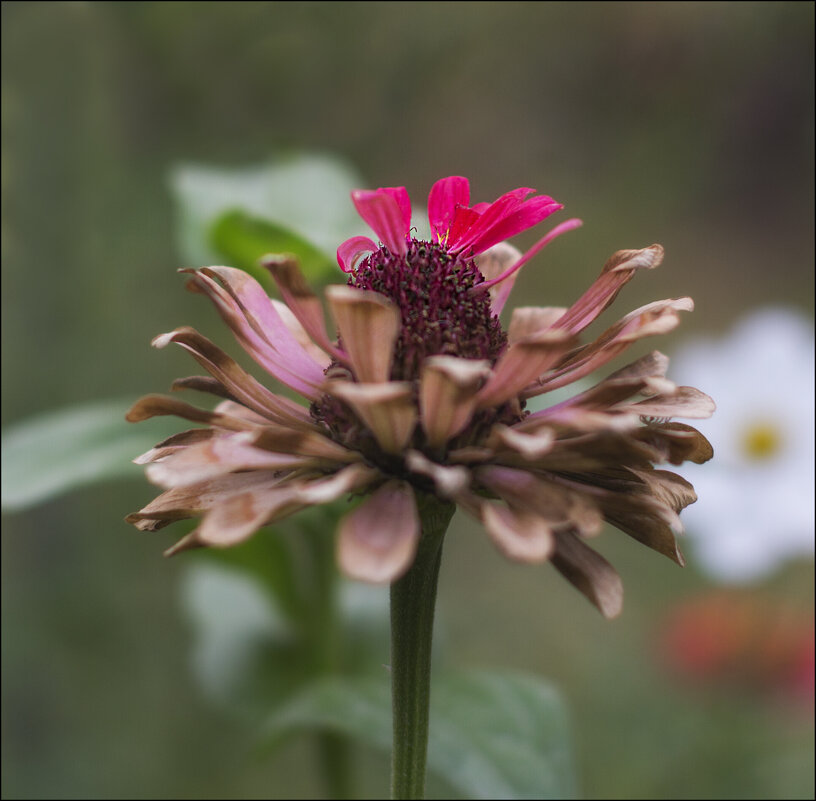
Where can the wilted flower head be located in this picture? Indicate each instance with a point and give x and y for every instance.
(422, 394)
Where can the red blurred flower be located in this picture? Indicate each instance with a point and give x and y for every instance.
(743, 641)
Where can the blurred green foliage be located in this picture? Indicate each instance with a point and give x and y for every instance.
(685, 123)
(242, 239)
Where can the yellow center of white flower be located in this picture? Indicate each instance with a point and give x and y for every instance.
(761, 440)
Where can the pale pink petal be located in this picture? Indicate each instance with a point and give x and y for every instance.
(522, 362)
(529, 446)
(589, 572)
(186, 543)
(579, 419)
(529, 320)
(174, 444)
(233, 409)
(382, 212)
(506, 279)
(617, 271)
(300, 334)
(560, 506)
(237, 519)
(350, 252)
(494, 261)
(447, 395)
(303, 303)
(377, 541)
(368, 324)
(262, 316)
(184, 502)
(234, 518)
(445, 195)
(267, 340)
(683, 402)
(239, 384)
(217, 456)
(387, 409)
(449, 481)
(655, 318)
(646, 376)
(325, 489)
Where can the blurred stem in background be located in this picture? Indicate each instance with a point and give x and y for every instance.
(322, 628)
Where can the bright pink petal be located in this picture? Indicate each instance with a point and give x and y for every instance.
(349, 253)
(494, 213)
(446, 194)
(526, 216)
(500, 296)
(382, 212)
(463, 221)
(400, 194)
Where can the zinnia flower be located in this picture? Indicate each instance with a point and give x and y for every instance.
(758, 511)
(422, 396)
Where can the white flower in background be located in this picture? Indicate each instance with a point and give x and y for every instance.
(756, 497)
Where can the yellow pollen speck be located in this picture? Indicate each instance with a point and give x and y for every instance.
(761, 441)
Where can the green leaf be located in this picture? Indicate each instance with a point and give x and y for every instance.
(250, 653)
(48, 455)
(308, 195)
(245, 655)
(492, 734)
(241, 240)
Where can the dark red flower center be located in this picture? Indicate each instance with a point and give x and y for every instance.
(430, 287)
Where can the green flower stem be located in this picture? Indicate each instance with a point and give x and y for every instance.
(413, 598)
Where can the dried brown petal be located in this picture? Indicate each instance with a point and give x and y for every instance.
(447, 395)
(368, 323)
(588, 572)
(388, 409)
